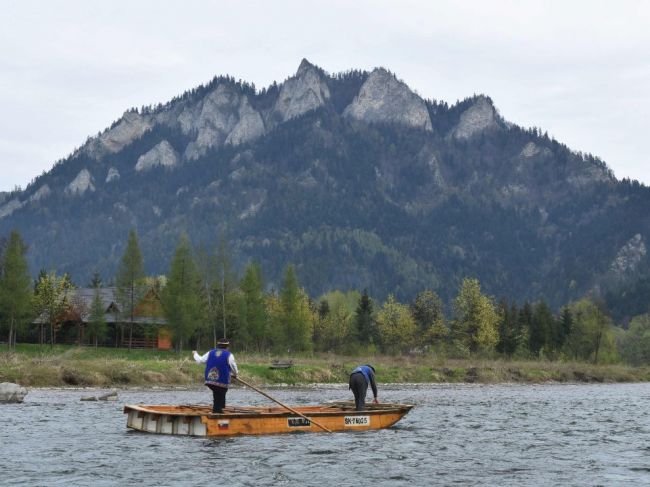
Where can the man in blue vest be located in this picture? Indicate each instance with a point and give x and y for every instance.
(360, 378)
(219, 366)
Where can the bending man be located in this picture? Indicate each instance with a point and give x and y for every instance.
(360, 378)
(219, 365)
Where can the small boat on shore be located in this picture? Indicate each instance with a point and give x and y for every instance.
(200, 421)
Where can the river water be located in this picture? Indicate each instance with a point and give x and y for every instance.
(457, 434)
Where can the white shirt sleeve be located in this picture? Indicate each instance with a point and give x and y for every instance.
(233, 365)
(201, 358)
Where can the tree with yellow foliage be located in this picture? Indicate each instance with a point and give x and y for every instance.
(475, 318)
(397, 328)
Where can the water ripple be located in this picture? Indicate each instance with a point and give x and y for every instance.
(457, 435)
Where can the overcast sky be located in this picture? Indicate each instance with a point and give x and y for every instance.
(580, 70)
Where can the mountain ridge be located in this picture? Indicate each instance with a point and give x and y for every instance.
(357, 158)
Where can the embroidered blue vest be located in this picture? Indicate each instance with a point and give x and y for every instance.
(365, 370)
(217, 369)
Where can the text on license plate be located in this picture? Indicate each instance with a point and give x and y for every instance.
(357, 420)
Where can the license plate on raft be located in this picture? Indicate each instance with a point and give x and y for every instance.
(357, 420)
(298, 422)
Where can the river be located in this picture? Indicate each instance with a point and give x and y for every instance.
(456, 435)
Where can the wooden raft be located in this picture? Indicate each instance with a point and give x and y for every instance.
(195, 420)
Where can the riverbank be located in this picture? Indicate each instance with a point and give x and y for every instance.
(62, 366)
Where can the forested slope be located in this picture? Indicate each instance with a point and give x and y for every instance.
(355, 180)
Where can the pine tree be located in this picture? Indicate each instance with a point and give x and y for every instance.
(540, 328)
(97, 322)
(96, 281)
(67, 281)
(295, 313)
(15, 287)
(524, 323)
(323, 309)
(276, 335)
(180, 297)
(429, 316)
(128, 281)
(207, 266)
(320, 323)
(509, 331)
(226, 285)
(562, 329)
(366, 331)
(336, 322)
(41, 275)
(254, 309)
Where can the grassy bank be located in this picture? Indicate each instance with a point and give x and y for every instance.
(31, 365)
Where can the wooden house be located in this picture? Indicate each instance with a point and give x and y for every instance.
(149, 325)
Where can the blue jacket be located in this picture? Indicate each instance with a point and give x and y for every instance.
(365, 370)
(369, 376)
(217, 369)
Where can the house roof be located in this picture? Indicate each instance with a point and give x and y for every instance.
(82, 299)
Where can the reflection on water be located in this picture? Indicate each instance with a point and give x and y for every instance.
(457, 434)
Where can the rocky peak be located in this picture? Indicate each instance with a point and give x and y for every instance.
(8, 208)
(384, 99)
(80, 184)
(628, 257)
(163, 154)
(530, 150)
(224, 116)
(583, 175)
(130, 127)
(112, 175)
(42, 192)
(306, 91)
(219, 109)
(249, 127)
(478, 118)
(304, 67)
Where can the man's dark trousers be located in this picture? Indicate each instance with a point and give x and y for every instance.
(218, 398)
(359, 387)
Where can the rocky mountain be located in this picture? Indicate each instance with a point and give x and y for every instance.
(352, 177)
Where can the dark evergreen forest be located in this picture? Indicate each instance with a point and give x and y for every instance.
(353, 205)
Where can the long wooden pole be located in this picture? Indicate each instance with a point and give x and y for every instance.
(283, 405)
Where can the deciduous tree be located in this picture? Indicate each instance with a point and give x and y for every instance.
(475, 321)
(337, 326)
(635, 343)
(51, 302)
(591, 335)
(396, 326)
